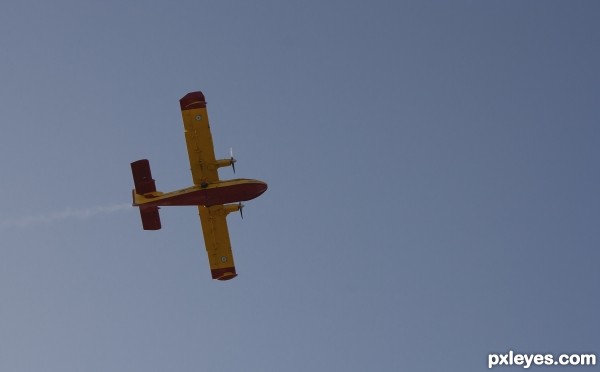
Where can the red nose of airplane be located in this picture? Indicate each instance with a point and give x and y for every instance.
(260, 187)
(246, 191)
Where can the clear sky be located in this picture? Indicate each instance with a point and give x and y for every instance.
(432, 169)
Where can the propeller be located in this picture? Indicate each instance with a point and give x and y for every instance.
(232, 160)
(241, 206)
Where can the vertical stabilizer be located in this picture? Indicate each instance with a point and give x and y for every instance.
(142, 179)
(150, 218)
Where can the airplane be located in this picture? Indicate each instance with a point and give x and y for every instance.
(214, 197)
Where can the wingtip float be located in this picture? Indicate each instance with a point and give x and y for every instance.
(215, 198)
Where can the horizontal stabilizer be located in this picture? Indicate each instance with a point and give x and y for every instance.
(142, 178)
(150, 218)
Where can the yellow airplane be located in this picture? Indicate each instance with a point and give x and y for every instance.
(215, 198)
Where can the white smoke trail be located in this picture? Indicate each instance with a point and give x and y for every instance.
(68, 213)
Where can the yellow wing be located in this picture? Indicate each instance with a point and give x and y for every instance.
(198, 139)
(204, 171)
(216, 240)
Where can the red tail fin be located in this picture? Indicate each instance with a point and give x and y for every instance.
(150, 218)
(142, 178)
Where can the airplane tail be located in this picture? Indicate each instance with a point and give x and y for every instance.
(142, 179)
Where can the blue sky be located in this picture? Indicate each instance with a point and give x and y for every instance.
(432, 170)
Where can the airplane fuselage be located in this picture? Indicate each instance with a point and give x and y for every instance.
(221, 192)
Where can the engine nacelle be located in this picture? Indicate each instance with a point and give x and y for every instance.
(229, 208)
(225, 163)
